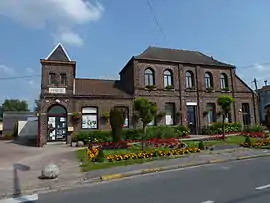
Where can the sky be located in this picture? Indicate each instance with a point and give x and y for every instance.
(101, 36)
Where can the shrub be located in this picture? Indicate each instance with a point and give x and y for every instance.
(134, 134)
(201, 145)
(100, 156)
(248, 141)
(216, 128)
(255, 128)
(116, 120)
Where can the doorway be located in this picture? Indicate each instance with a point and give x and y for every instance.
(57, 124)
(191, 119)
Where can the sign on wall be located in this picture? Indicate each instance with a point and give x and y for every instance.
(57, 90)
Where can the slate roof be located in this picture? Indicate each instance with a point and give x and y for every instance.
(179, 56)
(99, 87)
(58, 54)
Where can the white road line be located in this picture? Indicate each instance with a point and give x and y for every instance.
(209, 201)
(27, 198)
(262, 187)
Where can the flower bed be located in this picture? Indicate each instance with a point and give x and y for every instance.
(257, 143)
(171, 143)
(112, 145)
(151, 154)
(253, 134)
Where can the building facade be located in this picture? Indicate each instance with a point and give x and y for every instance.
(264, 100)
(183, 84)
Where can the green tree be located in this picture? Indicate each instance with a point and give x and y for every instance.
(225, 103)
(146, 113)
(15, 105)
(1, 113)
(37, 106)
(117, 119)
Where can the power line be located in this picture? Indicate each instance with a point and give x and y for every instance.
(156, 20)
(19, 77)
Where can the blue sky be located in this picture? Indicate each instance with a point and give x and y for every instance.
(103, 36)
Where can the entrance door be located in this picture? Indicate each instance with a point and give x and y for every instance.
(191, 118)
(57, 124)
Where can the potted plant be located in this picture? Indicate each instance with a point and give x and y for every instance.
(226, 89)
(169, 87)
(151, 87)
(210, 89)
(76, 116)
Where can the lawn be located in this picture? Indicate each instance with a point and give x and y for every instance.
(232, 140)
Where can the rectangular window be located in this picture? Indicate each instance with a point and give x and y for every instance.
(89, 118)
(126, 115)
(246, 114)
(169, 113)
(63, 79)
(211, 115)
(52, 79)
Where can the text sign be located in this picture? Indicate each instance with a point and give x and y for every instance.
(57, 90)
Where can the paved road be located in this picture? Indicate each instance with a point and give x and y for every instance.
(236, 182)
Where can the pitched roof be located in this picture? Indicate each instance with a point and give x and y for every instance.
(97, 87)
(58, 54)
(179, 56)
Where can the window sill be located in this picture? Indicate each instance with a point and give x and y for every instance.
(150, 89)
(225, 91)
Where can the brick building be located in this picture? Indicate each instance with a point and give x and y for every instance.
(184, 85)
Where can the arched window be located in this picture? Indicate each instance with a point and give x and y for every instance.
(57, 110)
(223, 81)
(149, 78)
(189, 79)
(89, 118)
(208, 80)
(168, 78)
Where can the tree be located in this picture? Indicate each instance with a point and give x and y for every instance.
(225, 103)
(146, 113)
(117, 119)
(1, 113)
(267, 116)
(15, 105)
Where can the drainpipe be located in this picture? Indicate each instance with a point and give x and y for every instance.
(233, 92)
(198, 101)
(180, 93)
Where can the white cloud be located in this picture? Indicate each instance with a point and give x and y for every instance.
(6, 70)
(69, 37)
(53, 14)
(259, 71)
(29, 70)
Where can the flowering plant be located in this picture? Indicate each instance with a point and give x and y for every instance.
(114, 145)
(151, 154)
(254, 134)
(92, 153)
(171, 142)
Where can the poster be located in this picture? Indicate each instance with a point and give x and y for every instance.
(89, 122)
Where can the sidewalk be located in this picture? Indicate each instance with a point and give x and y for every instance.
(71, 177)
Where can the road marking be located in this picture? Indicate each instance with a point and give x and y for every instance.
(21, 199)
(262, 187)
(209, 201)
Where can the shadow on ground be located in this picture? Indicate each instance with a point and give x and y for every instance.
(25, 142)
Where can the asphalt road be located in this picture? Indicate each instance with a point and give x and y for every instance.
(235, 182)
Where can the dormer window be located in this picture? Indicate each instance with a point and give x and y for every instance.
(52, 79)
(63, 78)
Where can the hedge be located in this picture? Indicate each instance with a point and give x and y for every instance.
(216, 128)
(134, 134)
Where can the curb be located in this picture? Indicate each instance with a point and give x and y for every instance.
(173, 167)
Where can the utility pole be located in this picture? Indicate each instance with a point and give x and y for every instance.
(256, 85)
(257, 100)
